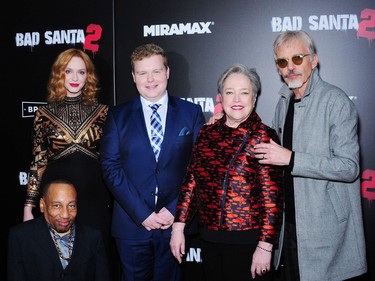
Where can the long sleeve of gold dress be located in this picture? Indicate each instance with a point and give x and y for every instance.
(66, 138)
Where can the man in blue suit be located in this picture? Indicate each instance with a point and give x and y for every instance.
(146, 183)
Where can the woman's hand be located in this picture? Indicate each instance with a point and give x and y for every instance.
(28, 213)
(261, 263)
(215, 117)
(177, 242)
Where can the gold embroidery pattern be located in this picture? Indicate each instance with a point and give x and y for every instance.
(60, 130)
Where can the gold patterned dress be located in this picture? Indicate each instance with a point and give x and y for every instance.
(66, 139)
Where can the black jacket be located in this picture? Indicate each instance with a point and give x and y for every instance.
(32, 254)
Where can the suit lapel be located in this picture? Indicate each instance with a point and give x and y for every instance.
(45, 241)
(139, 118)
(77, 254)
(139, 121)
(170, 126)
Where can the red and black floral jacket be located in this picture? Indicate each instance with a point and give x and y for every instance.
(226, 185)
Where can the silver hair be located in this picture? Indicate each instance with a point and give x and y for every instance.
(241, 69)
(288, 36)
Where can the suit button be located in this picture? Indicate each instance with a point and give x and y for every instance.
(157, 171)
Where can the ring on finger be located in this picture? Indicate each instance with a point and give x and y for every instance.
(264, 271)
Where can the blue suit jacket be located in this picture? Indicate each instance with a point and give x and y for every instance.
(32, 254)
(129, 165)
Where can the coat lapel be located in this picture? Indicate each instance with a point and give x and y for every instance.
(45, 241)
(139, 121)
(170, 127)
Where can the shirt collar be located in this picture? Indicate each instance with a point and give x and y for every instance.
(163, 101)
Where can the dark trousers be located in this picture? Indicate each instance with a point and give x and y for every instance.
(288, 269)
(223, 262)
(148, 260)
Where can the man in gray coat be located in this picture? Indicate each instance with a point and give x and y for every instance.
(322, 237)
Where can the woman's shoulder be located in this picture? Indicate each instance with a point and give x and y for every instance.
(102, 106)
(43, 108)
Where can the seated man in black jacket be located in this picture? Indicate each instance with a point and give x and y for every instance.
(54, 246)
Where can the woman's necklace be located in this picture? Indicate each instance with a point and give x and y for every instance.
(69, 245)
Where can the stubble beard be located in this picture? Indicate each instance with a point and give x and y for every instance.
(295, 84)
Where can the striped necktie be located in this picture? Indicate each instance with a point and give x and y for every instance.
(156, 130)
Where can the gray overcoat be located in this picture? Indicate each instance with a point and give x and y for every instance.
(330, 235)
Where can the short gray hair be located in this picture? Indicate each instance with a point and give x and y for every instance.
(241, 69)
(289, 36)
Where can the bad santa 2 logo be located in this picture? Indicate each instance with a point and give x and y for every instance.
(364, 24)
(89, 37)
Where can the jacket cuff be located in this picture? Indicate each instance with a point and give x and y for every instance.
(289, 168)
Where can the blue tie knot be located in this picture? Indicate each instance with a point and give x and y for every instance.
(155, 106)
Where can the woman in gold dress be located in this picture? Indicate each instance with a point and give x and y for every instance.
(66, 136)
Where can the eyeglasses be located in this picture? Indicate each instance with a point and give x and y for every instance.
(297, 60)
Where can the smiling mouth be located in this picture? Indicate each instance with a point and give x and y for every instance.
(237, 107)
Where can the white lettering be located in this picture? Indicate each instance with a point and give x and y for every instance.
(206, 103)
(333, 22)
(23, 178)
(28, 39)
(177, 29)
(70, 36)
(32, 109)
(194, 255)
(279, 24)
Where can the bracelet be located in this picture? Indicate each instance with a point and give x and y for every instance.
(269, 251)
(29, 205)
